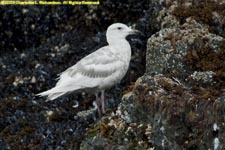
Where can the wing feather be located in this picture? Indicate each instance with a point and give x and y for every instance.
(100, 64)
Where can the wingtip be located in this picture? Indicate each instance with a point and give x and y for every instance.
(38, 95)
(42, 95)
(47, 100)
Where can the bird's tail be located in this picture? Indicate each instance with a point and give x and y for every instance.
(58, 91)
(51, 94)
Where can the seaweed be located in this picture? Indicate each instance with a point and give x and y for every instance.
(207, 12)
(206, 59)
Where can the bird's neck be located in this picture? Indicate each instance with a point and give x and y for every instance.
(121, 47)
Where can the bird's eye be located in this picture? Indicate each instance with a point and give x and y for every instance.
(119, 28)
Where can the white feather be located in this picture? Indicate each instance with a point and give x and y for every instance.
(97, 71)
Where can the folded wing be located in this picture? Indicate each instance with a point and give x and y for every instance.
(88, 73)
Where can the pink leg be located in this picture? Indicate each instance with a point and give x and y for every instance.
(103, 101)
(98, 101)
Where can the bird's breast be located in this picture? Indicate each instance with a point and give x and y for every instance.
(114, 78)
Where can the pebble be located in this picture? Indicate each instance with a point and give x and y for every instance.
(33, 80)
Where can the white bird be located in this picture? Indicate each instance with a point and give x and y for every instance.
(99, 70)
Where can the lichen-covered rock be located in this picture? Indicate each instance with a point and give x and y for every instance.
(204, 77)
(163, 113)
(168, 48)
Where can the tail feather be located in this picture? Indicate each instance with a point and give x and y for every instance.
(54, 96)
(51, 94)
(57, 92)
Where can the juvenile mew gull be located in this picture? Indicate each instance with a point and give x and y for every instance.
(99, 70)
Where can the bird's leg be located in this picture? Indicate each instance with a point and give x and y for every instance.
(98, 101)
(103, 101)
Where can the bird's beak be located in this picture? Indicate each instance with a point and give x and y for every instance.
(134, 31)
(139, 33)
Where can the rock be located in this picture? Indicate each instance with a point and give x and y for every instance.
(172, 119)
(33, 80)
(205, 77)
(18, 80)
(167, 49)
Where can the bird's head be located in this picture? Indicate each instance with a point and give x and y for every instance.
(118, 31)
